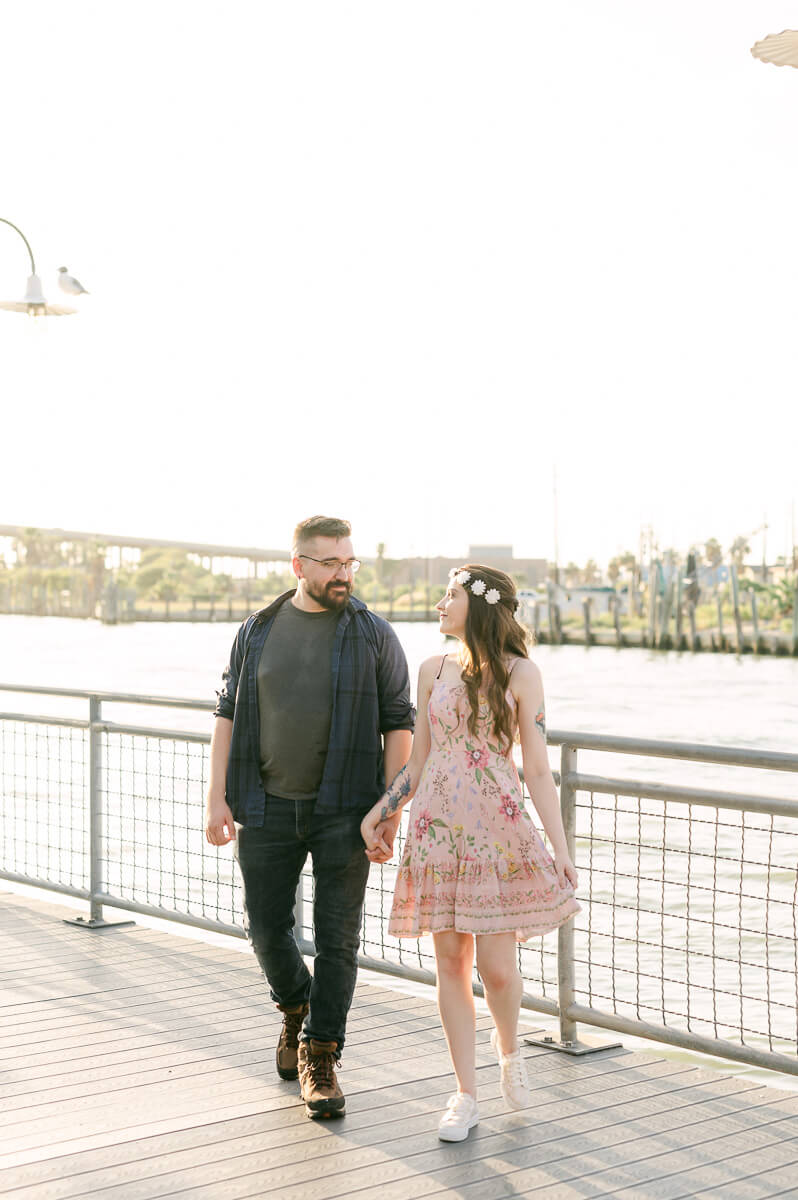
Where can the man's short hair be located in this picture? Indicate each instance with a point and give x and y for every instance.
(319, 527)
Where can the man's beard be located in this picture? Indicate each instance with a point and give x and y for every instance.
(327, 597)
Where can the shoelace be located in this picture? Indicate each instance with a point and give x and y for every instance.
(454, 1104)
(513, 1068)
(322, 1069)
(293, 1024)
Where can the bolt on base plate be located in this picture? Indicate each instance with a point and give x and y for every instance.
(583, 1045)
(92, 923)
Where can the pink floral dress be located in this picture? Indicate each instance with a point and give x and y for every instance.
(473, 861)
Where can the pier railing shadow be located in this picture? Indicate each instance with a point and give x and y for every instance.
(688, 933)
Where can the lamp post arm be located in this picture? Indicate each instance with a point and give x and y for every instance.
(25, 240)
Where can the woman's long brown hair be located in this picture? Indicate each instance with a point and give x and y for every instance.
(492, 634)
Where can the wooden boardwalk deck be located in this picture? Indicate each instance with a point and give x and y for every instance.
(137, 1064)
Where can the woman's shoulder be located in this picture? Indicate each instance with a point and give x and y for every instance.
(523, 673)
(430, 668)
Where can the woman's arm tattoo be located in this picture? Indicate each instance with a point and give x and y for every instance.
(540, 721)
(396, 793)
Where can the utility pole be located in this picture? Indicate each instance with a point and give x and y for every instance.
(765, 548)
(556, 531)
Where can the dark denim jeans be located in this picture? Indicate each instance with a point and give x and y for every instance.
(271, 857)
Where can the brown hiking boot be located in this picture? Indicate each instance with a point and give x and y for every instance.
(288, 1044)
(317, 1082)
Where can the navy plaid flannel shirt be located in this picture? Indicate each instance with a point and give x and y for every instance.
(371, 696)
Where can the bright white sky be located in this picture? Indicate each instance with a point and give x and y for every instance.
(396, 261)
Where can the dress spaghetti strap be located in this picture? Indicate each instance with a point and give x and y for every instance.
(440, 668)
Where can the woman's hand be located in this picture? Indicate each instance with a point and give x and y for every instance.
(566, 871)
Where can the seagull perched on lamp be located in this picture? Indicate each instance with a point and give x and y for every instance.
(69, 284)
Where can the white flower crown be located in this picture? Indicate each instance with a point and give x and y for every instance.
(478, 586)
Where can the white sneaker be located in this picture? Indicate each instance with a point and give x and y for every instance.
(461, 1115)
(514, 1081)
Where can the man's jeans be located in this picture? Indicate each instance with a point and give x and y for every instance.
(271, 858)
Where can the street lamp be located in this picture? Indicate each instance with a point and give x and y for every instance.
(33, 302)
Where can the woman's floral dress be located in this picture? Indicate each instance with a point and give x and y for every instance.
(473, 861)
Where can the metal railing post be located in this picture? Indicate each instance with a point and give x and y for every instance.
(565, 934)
(95, 766)
(570, 1042)
(96, 919)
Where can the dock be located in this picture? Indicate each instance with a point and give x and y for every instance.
(138, 1063)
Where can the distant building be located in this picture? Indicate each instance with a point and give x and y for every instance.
(528, 572)
(490, 555)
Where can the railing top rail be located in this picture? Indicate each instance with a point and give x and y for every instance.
(644, 789)
(111, 697)
(736, 756)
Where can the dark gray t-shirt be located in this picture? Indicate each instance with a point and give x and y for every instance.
(295, 701)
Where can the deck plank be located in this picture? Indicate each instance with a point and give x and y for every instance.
(139, 1065)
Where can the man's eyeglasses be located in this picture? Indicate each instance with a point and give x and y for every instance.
(333, 565)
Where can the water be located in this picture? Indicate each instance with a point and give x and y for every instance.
(715, 699)
(702, 697)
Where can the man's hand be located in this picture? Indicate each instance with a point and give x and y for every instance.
(219, 825)
(379, 844)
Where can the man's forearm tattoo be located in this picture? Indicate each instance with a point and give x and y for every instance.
(396, 793)
(540, 721)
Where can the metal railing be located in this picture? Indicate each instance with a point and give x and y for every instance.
(687, 933)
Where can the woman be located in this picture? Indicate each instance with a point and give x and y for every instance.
(475, 869)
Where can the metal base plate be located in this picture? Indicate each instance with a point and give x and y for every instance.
(90, 923)
(583, 1045)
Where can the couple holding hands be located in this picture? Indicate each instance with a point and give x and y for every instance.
(313, 718)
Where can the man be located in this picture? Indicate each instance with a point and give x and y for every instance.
(315, 684)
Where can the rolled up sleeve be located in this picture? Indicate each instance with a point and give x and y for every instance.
(393, 685)
(226, 695)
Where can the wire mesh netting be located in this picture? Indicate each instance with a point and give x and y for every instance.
(688, 912)
(154, 851)
(689, 917)
(44, 802)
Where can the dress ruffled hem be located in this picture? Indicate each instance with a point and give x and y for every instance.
(419, 924)
(478, 899)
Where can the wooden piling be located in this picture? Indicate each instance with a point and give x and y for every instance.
(616, 612)
(665, 641)
(536, 619)
(653, 582)
(721, 639)
(738, 621)
(555, 628)
(695, 643)
(586, 616)
(756, 645)
(678, 637)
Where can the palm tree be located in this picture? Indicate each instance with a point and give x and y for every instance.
(37, 548)
(738, 550)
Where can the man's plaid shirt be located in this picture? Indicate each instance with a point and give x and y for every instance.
(371, 696)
